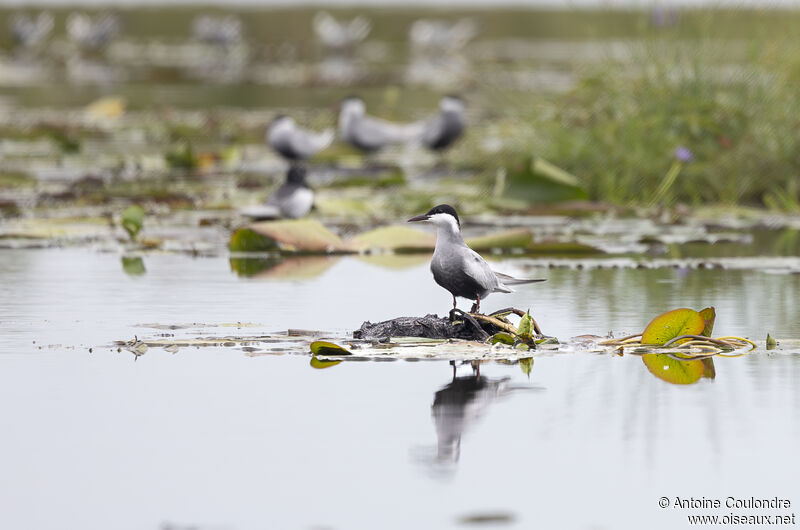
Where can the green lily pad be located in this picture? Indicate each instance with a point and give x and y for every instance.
(771, 342)
(292, 235)
(133, 220)
(502, 338)
(672, 370)
(673, 324)
(321, 347)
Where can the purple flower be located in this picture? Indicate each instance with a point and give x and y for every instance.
(683, 154)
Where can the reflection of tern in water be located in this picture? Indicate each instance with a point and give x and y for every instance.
(282, 269)
(460, 404)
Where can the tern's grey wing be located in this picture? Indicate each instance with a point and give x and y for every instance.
(385, 132)
(476, 268)
(307, 143)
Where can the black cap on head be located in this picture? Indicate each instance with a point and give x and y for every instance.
(444, 208)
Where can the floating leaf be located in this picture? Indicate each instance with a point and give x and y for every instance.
(133, 220)
(709, 315)
(321, 347)
(397, 238)
(526, 365)
(771, 342)
(673, 324)
(502, 338)
(322, 363)
(296, 235)
(245, 240)
(672, 370)
(508, 239)
(525, 327)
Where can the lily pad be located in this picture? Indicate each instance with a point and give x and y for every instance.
(133, 220)
(672, 370)
(397, 238)
(673, 324)
(502, 338)
(709, 315)
(295, 235)
(516, 238)
(321, 347)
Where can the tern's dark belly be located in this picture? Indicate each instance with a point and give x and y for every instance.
(457, 282)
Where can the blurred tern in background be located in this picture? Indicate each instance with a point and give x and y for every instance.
(338, 35)
(29, 31)
(295, 197)
(441, 131)
(373, 134)
(295, 143)
(92, 33)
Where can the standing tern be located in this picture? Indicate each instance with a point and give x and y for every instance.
(373, 134)
(442, 130)
(295, 197)
(458, 268)
(293, 142)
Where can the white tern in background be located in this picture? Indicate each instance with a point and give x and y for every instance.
(293, 142)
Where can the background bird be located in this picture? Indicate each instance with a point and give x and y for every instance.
(293, 142)
(372, 134)
(295, 197)
(442, 130)
(458, 268)
(29, 31)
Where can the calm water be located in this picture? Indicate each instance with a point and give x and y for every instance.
(211, 438)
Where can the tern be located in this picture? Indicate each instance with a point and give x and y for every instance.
(293, 142)
(458, 268)
(442, 130)
(295, 197)
(373, 134)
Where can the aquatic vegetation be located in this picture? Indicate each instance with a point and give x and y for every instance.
(132, 220)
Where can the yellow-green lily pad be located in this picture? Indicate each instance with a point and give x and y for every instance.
(397, 238)
(672, 370)
(321, 347)
(673, 324)
(507, 239)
